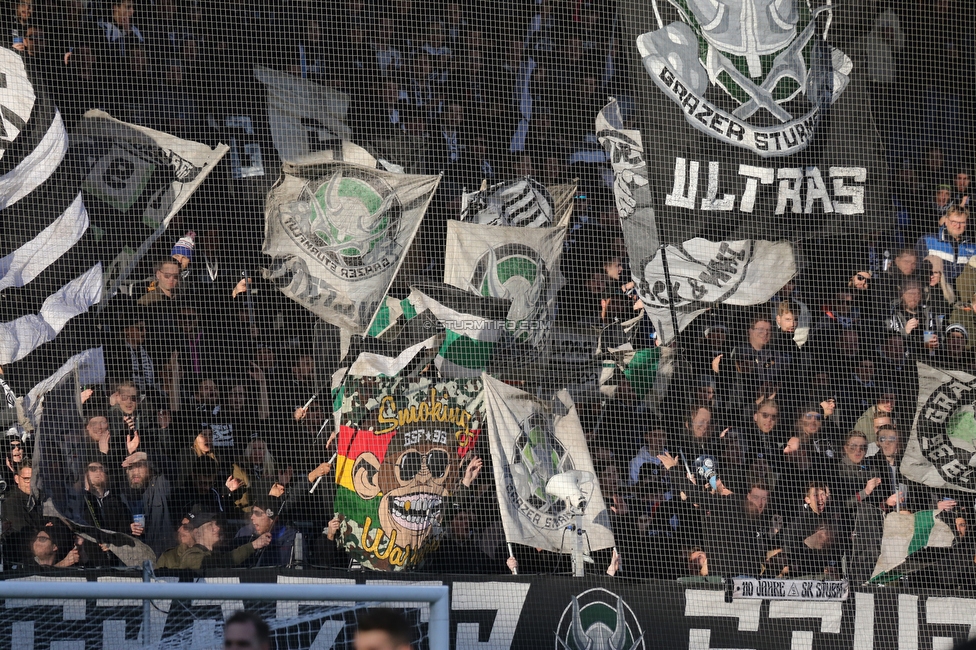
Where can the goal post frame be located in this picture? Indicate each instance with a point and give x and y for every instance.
(437, 596)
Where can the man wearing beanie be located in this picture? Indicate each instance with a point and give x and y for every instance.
(183, 252)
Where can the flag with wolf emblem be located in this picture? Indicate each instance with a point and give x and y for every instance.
(761, 128)
(337, 233)
(520, 265)
(543, 470)
(135, 181)
(702, 272)
(400, 447)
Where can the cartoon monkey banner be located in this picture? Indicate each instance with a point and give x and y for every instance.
(401, 442)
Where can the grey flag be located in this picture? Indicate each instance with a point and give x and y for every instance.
(337, 233)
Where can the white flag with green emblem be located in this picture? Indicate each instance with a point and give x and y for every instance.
(516, 264)
(337, 233)
(941, 452)
(543, 470)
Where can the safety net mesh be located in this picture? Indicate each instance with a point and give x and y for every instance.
(639, 323)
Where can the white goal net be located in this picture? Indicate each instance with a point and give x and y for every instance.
(54, 615)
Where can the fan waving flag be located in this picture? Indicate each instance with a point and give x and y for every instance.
(531, 443)
(761, 128)
(136, 180)
(337, 233)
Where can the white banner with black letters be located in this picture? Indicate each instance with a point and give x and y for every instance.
(810, 590)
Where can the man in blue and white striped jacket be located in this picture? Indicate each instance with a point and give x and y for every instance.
(950, 244)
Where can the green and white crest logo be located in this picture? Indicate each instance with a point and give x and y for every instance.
(518, 273)
(768, 58)
(537, 457)
(351, 219)
(599, 620)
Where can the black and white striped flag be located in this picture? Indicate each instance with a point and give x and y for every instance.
(523, 202)
(49, 273)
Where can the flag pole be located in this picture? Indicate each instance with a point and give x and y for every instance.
(667, 280)
(511, 554)
(319, 479)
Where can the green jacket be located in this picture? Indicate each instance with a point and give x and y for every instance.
(172, 557)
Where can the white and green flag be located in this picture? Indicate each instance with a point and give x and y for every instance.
(520, 265)
(337, 233)
(941, 452)
(531, 442)
(905, 534)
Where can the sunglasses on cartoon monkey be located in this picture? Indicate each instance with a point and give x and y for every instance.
(410, 463)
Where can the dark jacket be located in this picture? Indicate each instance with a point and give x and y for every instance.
(739, 541)
(277, 553)
(107, 513)
(804, 560)
(155, 504)
(25, 516)
(850, 480)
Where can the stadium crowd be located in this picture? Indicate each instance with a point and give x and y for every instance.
(771, 447)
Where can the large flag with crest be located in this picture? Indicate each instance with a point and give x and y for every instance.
(532, 442)
(941, 452)
(520, 265)
(401, 444)
(337, 233)
(761, 128)
(703, 272)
